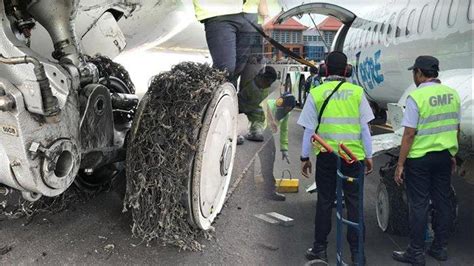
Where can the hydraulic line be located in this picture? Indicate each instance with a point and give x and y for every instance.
(50, 102)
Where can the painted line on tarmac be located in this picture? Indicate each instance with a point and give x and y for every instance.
(244, 172)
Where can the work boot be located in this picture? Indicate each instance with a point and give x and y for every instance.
(438, 252)
(414, 257)
(255, 131)
(276, 196)
(354, 257)
(254, 136)
(318, 253)
(240, 139)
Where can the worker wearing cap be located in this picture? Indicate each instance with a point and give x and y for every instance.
(251, 95)
(313, 79)
(277, 113)
(427, 159)
(345, 119)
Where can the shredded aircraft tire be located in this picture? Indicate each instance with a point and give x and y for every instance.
(161, 150)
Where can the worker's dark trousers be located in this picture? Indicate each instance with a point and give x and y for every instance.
(267, 158)
(429, 177)
(229, 39)
(326, 166)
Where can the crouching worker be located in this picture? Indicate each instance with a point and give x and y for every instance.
(339, 112)
(277, 113)
(252, 93)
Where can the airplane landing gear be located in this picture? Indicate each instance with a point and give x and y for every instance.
(392, 204)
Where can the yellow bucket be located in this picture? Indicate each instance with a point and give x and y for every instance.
(286, 185)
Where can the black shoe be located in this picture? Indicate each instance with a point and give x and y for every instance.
(254, 136)
(317, 254)
(276, 196)
(240, 139)
(439, 253)
(416, 258)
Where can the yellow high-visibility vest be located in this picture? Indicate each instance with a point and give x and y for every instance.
(439, 107)
(212, 8)
(340, 122)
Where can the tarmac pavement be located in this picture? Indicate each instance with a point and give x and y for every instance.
(97, 232)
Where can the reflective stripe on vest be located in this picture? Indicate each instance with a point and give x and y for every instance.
(212, 8)
(340, 122)
(438, 121)
(436, 130)
(340, 136)
(438, 117)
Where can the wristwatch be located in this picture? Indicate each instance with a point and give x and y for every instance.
(304, 159)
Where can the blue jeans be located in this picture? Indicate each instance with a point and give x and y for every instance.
(229, 39)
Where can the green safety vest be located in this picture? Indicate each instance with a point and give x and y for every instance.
(282, 124)
(439, 107)
(340, 122)
(212, 8)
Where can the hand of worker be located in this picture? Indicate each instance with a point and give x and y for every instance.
(306, 168)
(453, 165)
(284, 156)
(369, 166)
(399, 175)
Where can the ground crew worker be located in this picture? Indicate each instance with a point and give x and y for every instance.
(313, 80)
(277, 113)
(250, 98)
(429, 144)
(345, 119)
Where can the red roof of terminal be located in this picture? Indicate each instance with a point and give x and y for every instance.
(289, 24)
(330, 24)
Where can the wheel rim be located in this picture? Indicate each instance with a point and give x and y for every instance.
(382, 207)
(214, 159)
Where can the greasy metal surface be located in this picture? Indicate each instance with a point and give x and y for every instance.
(15, 148)
(97, 115)
(35, 170)
(57, 16)
(22, 76)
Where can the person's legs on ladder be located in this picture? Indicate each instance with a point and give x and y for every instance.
(221, 37)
